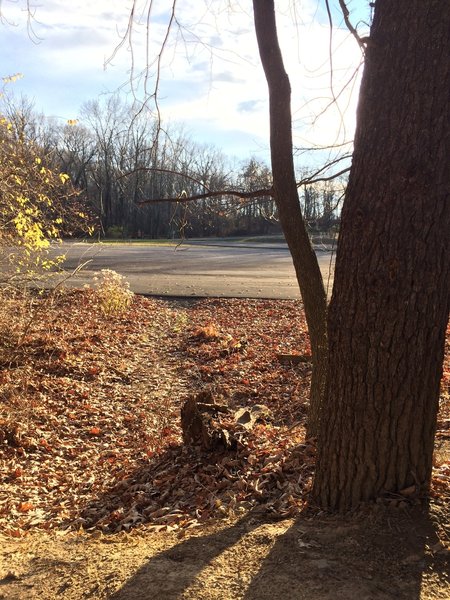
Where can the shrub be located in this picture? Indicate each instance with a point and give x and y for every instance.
(113, 292)
(115, 232)
(38, 204)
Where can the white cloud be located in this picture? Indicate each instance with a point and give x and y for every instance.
(211, 77)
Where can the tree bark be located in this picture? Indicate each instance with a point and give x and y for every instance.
(287, 200)
(389, 310)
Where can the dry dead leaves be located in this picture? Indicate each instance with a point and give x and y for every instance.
(90, 412)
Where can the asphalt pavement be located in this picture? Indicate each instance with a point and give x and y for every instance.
(195, 269)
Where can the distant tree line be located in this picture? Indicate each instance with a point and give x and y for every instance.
(125, 163)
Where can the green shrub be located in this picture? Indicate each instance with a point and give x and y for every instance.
(115, 232)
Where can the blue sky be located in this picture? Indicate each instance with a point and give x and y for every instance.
(211, 77)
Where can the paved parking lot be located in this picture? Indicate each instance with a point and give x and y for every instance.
(252, 271)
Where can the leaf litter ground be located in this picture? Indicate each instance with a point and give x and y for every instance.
(91, 446)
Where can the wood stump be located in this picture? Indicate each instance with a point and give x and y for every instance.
(201, 423)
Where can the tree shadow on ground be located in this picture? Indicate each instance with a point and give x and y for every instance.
(169, 574)
(378, 555)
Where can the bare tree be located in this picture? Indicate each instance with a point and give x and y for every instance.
(391, 297)
(286, 197)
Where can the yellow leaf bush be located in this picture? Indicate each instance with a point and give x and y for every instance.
(37, 204)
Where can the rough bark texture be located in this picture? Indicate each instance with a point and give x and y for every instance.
(287, 200)
(390, 303)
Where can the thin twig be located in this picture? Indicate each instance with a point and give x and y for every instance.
(346, 15)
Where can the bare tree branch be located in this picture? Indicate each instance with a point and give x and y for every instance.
(318, 179)
(161, 170)
(302, 149)
(346, 15)
(183, 197)
(159, 57)
(335, 97)
(255, 194)
(313, 177)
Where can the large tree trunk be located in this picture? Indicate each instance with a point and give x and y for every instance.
(286, 197)
(390, 303)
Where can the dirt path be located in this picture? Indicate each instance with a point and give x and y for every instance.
(385, 555)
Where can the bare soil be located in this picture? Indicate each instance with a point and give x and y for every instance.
(99, 498)
(378, 555)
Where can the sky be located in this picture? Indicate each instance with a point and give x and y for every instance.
(210, 77)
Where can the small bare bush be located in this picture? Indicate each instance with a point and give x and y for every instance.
(113, 292)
